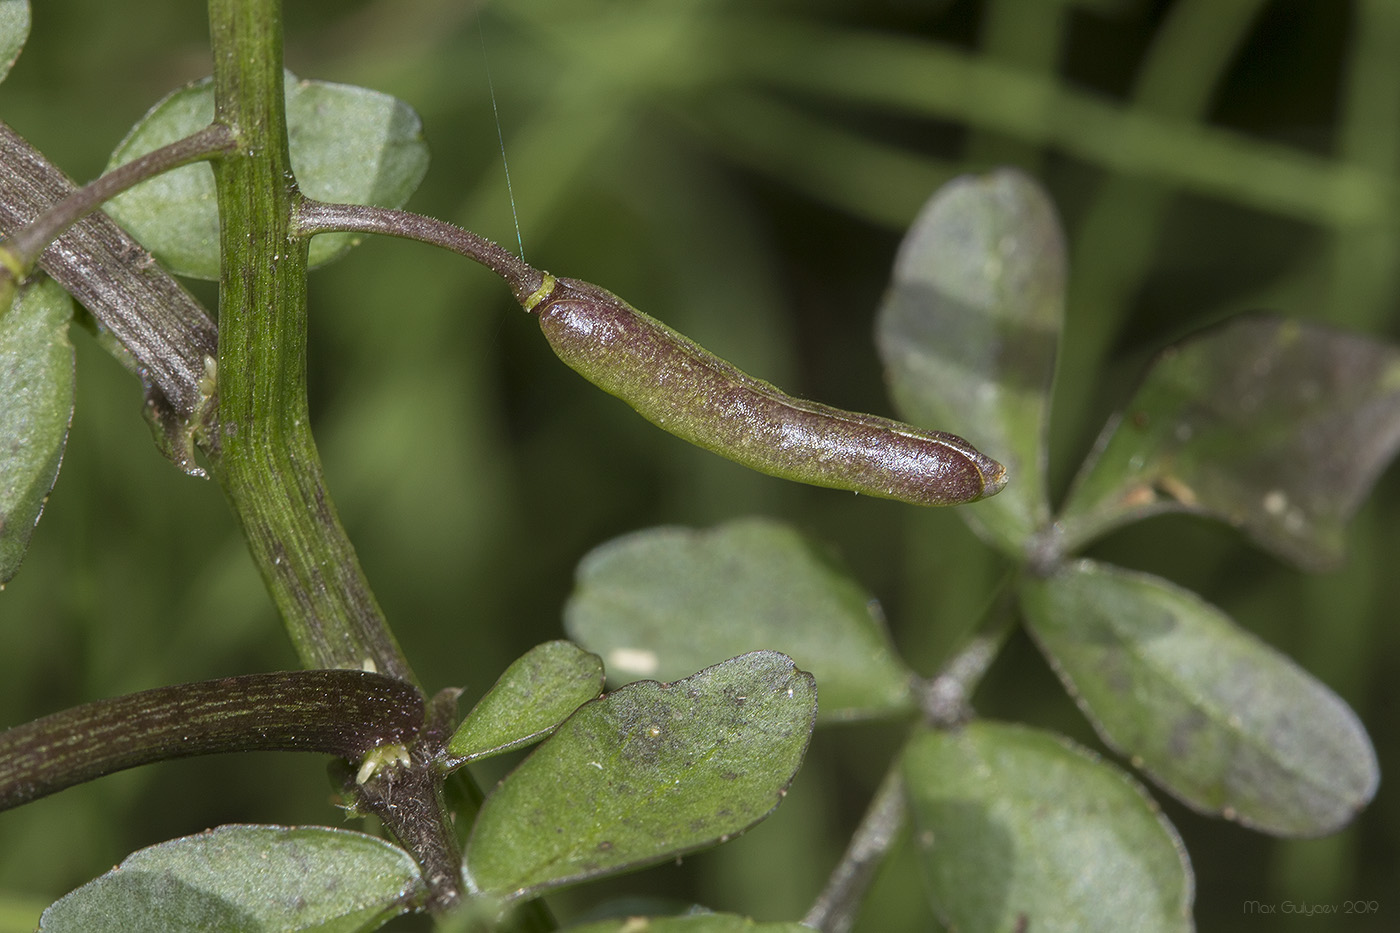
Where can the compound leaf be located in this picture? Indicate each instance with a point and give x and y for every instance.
(36, 406)
(969, 330)
(666, 601)
(1278, 427)
(348, 144)
(644, 774)
(1221, 720)
(246, 879)
(1021, 829)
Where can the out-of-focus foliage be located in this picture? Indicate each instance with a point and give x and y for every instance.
(743, 171)
(661, 601)
(348, 145)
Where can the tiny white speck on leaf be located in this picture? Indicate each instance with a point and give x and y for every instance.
(641, 661)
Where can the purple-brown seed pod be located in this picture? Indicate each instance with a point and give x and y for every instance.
(681, 387)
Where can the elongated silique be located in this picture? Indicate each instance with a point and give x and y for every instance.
(690, 392)
(683, 388)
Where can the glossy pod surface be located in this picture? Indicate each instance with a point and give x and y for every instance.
(690, 392)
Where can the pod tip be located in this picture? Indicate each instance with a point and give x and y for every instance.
(993, 477)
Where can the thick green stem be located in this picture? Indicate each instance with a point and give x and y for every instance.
(259, 443)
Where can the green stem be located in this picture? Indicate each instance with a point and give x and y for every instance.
(260, 445)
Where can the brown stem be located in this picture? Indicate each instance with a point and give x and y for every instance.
(166, 331)
(319, 217)
(26, 244)
(343, 713)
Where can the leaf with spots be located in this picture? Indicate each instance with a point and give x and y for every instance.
(969, 330)
(645, 774)
(1278, 427)
(1224, 722)
(530, 699)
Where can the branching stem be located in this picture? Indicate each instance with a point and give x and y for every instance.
(260, 445)
(945, 704)
(22, 251)
(945, 699)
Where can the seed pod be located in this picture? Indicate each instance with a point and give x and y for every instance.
(688, 391)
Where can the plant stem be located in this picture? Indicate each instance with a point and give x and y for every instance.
(26, 244)
(314, 217)
(945, 705)
(164, 329)
(344, 713)
(408, 798)
(945, 698)
(838, 904)
(260, 446)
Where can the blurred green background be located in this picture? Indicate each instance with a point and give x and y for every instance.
(742, 170)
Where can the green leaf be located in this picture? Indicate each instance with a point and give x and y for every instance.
(667, 601)
(1021, 829)
(246, 879)
(1279, 427)
(969, 330)
(36, 405)
(530, 699)
(348, 144)
(351, 145)
(644, 774)
(14, 31)
(1218, 718)
(695, 923)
